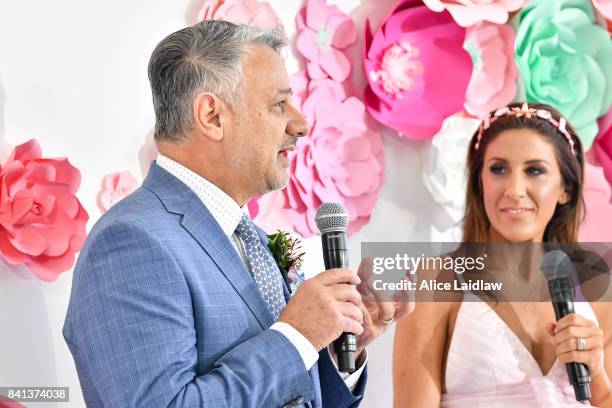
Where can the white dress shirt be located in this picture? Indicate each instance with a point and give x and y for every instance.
(228, 214)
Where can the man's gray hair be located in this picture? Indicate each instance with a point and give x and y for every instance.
(206, 57)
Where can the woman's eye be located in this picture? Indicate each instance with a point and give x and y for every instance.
(497, 169)
(535, 171)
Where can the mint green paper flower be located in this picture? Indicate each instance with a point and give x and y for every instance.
(566, 61)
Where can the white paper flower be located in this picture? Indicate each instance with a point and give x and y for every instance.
(444, 164)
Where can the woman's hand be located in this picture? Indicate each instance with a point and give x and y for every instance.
(566, 334)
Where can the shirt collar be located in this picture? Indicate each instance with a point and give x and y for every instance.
(222, 207)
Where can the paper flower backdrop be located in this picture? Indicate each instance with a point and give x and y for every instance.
(116, 186)
(566, 61)
(340, 160)
(602, 148)
(469, 12)
(493, 82)
(597, 196)
(249, 12)
(604, 7)
(444, 164)
(42, 223)
(323, 33)
(417, 69)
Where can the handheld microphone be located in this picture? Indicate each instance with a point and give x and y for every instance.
(332, 220)
(557, 268)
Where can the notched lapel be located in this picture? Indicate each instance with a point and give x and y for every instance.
(201, 225)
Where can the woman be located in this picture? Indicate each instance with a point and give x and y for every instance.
(524, 185)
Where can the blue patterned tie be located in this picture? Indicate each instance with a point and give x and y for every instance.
(265, 271)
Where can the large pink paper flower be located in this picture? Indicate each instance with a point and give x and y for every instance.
(602, 146)
(340, 160)
(469, 12)
(417, 70)
(249, 12)
(323, 32)
(115, 186)
(493, 82)
(597, 196)
(42, 223)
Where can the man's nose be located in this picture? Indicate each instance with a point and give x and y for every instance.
(297, 125)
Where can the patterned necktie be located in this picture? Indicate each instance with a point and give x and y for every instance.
(265, 271)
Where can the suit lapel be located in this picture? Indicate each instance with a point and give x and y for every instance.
(202, 226)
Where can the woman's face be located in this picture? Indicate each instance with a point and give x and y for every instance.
(522, 185)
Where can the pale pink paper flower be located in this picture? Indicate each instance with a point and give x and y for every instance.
(601, 151)
(271, 214)
(417, 70)
(493, 82)
(249, 12)
(42, 223)
(323, 33)
(469, 12)
(597, 198)
(340, 160)
(116, 186)
(605, 8)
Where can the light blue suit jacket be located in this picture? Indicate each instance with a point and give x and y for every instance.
(163, 313)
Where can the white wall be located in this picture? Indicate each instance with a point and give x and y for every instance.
(73, 75)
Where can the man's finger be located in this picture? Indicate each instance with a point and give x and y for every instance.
(338, 275)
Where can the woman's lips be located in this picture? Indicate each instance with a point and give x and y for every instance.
(516, 211)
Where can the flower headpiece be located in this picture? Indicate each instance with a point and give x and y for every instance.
(528, 112)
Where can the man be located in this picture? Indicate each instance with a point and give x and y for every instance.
(176, 300)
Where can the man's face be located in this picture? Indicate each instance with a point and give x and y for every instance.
(265, 125)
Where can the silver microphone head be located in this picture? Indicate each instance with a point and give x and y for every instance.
(332, 217)
(556, 264)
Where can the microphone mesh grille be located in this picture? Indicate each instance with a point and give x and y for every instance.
(556, 264)
(332, 217)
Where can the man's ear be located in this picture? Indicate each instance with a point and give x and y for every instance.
(207, 111)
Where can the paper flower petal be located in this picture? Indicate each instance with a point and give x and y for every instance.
(597, 196)
(445, 161)
(565, 60)
(42, 223)
(409, 88)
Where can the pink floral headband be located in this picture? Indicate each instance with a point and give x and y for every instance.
(528, 112)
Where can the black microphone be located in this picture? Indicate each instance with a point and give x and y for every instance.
(332, 220)
(557, 268)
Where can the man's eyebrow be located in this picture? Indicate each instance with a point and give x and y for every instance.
(286, 91)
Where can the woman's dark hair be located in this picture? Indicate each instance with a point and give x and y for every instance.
(565, 222)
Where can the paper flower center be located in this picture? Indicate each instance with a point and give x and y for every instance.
(323, 38)
(399, 68)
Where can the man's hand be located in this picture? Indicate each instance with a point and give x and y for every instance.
(379, 309)
(325, 306)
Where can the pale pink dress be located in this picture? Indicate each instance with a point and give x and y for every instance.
(488, 366)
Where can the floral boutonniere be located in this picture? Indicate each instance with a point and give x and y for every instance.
(288, 254)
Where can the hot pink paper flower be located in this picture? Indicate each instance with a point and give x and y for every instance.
(248, 12)
(602, 146)
(597, 196)
(341, 160)
(417, 70)
(42, 223)
(116, 186)
(493, 82)
(323, 33)
(469, 12)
